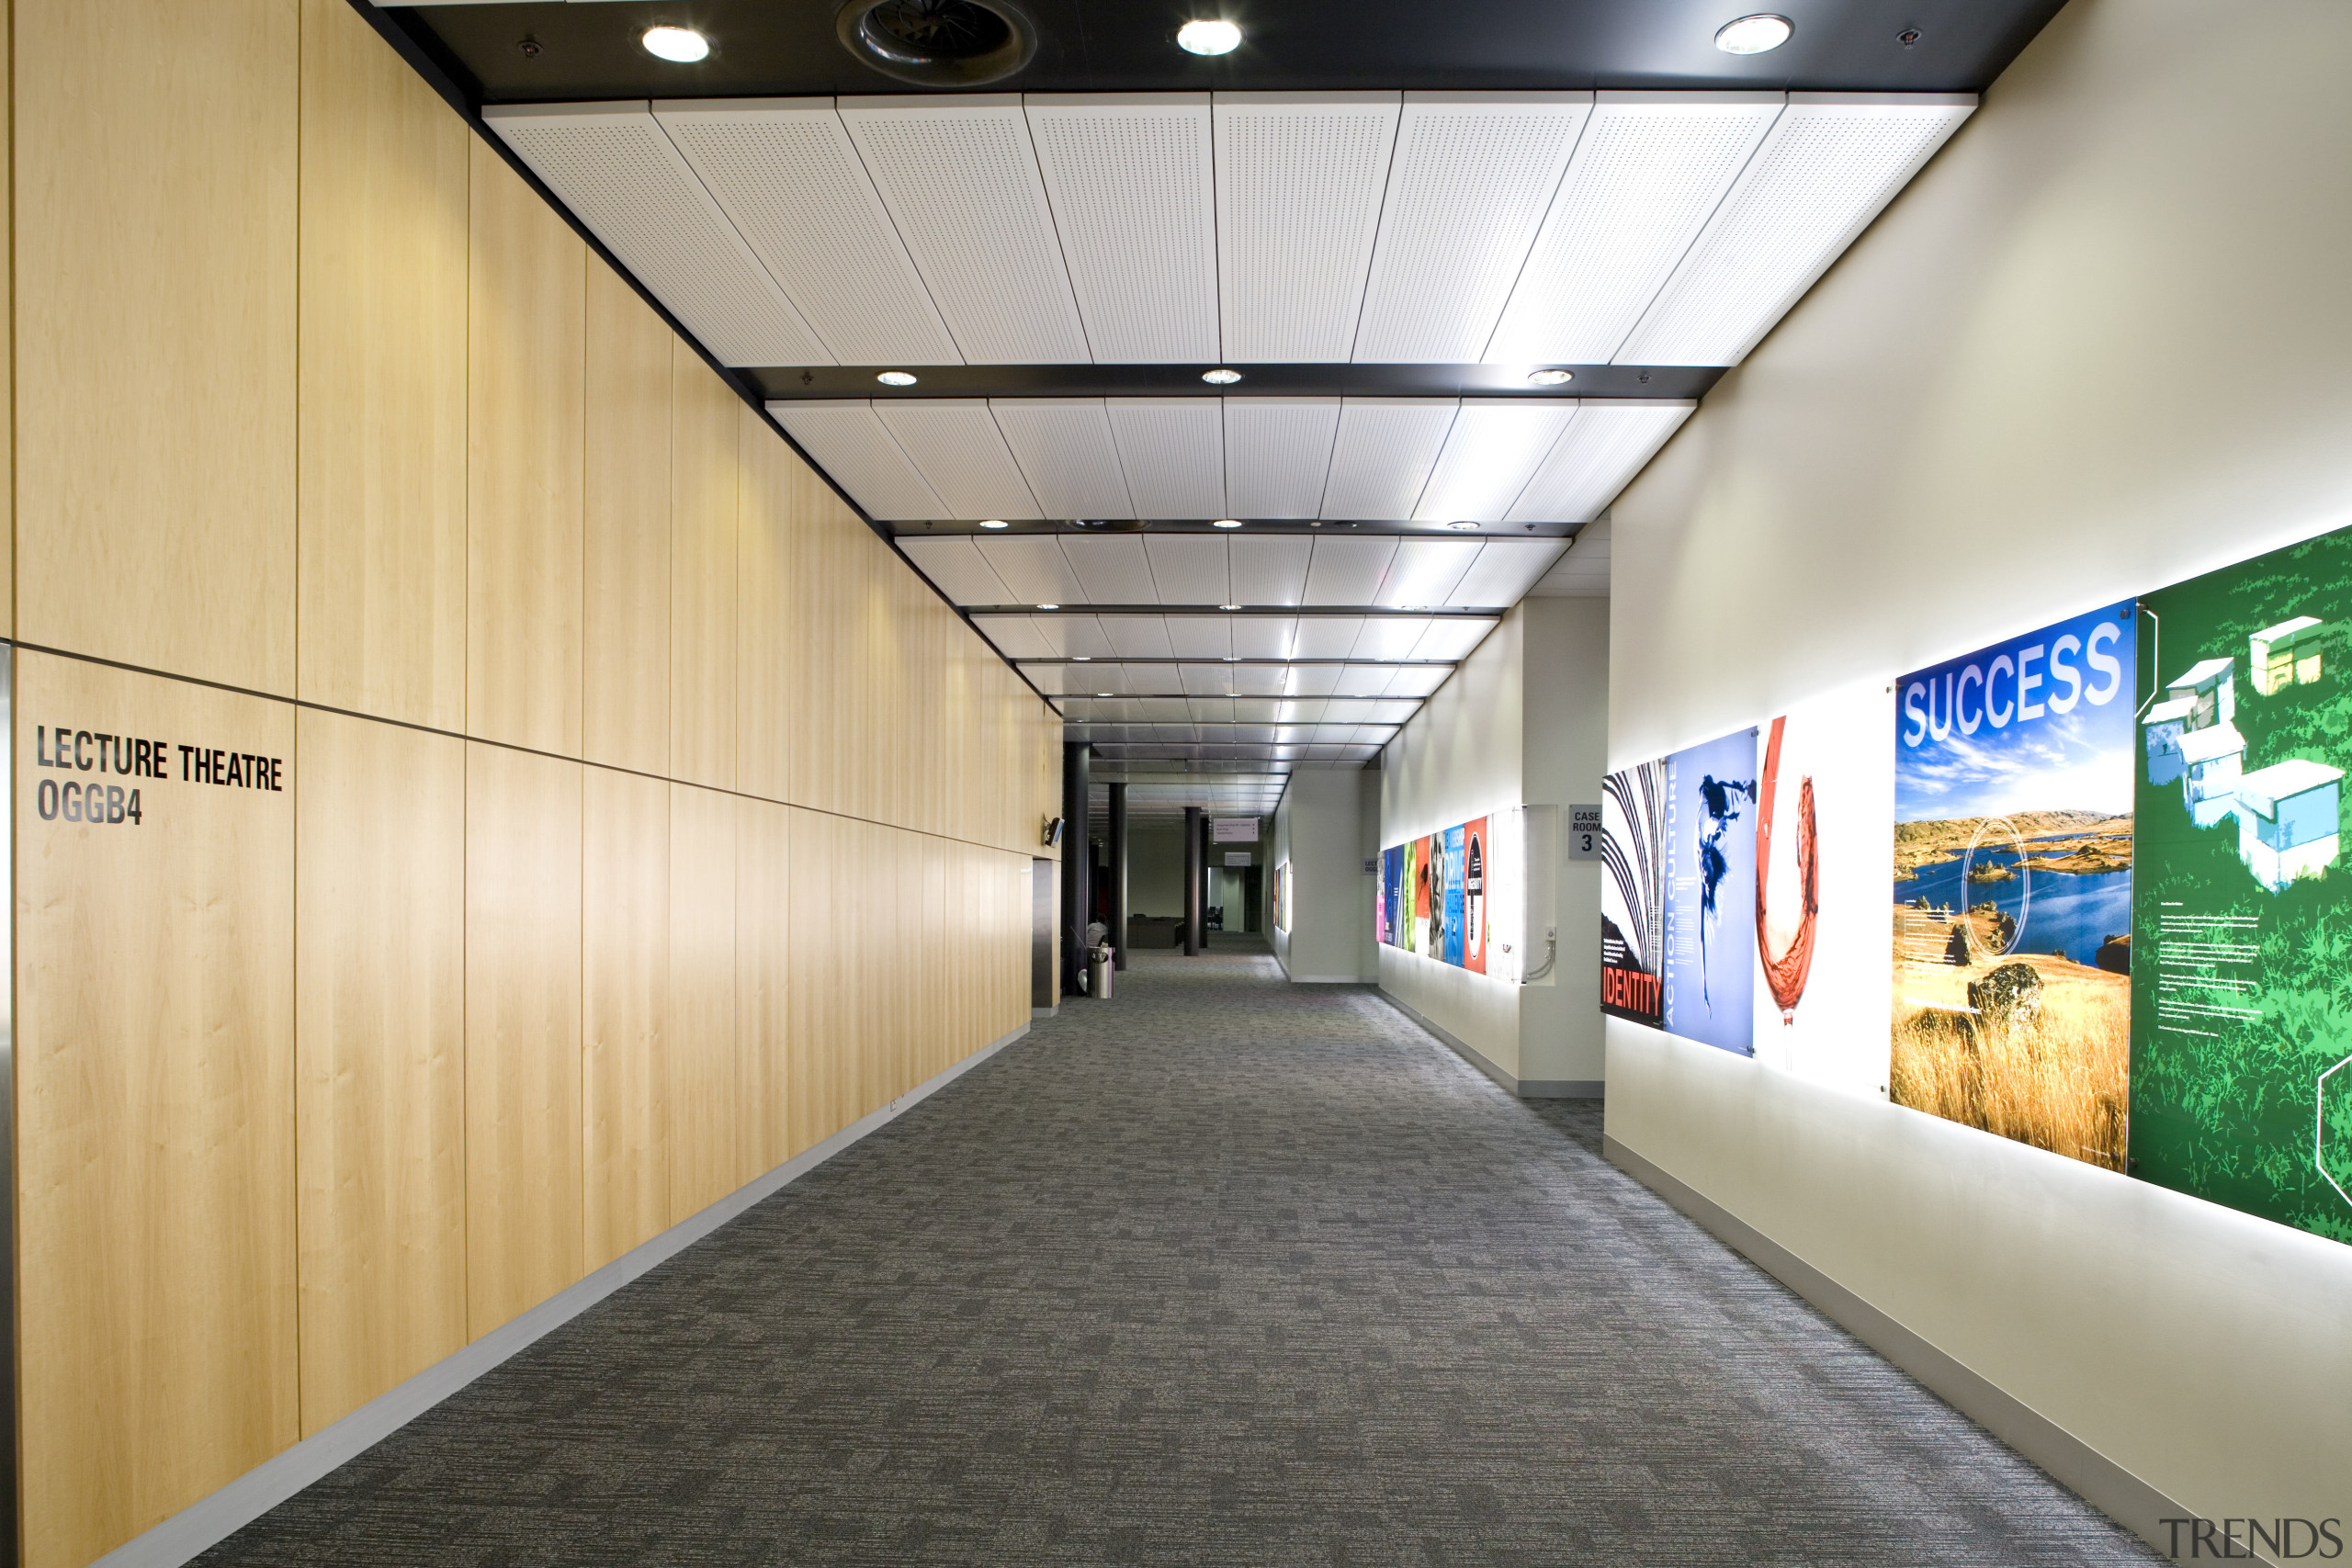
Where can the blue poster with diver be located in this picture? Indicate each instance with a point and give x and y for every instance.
(1710, 894)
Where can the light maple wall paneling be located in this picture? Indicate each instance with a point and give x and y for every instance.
(818, 994)
(380, 555)
(625, 1013)
(820, 595)
(934, 1037)
(775, 492)
(379, 907)
(526, 370)
(523, 1032)
(155, 172)
(702, 484)
(155, 976)
(704, 1083)
(886, 699)
(624, 656)
(8, 372)
(763, 985)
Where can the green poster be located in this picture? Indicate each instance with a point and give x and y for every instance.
(2242, 1025)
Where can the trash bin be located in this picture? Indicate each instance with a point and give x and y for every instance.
(1098, 970)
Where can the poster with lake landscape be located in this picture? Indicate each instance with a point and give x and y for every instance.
(2242, 1064)
(1709, 894)
(2013, 854)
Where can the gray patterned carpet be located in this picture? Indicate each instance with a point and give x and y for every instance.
(1221, 1272)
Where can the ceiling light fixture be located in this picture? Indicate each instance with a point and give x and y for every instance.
(1220, 377)
(1049, 607)
(1101, 694)
(1463, 527)
(896, 378)
(994, 522)
(1081, 658)
(1208, 35)
(1550, 378)
(1229, 606)
(1226, 522)
(680, 46)
(1754, 35)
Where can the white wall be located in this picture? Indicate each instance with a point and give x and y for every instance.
(1318, 830)
(2099, 346)
(1563, 750)
(1156, 868)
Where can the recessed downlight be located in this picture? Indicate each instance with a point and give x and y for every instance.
(994, 522)
(1229, 606)
(896, 378)
(1233, 659)
(1208, 35)
(1226, 522)
(1463, 527)
(1550, 378)
(1049, 607)
(1758, 33)
(1220, 377)
(1081, 658)
(1101, 694)
(680, 46)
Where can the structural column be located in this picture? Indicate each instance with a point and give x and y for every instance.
(1118, 913)
(1077, 863)
(1196, 909)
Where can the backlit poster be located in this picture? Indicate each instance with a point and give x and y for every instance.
(1456, 894)
(1424, 929)
(1632, 894)
(1392, 866)
(2012, 893)
(1475, 852)
(2241, 1000)
(1710, 882)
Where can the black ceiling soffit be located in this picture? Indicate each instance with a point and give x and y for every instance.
(816, 381)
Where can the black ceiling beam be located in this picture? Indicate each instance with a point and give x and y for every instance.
(786, 383)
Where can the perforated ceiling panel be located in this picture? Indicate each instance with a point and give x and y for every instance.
(1452, 638)
(1065, 452)
(1200, 637)
(1277, 452)
(959, 570)
(1111, 567)
(1831, 163)
(1494, 446)
(1075, 637)
(1348, 572)
(957, 447)
(1390, 636)
(786, 172)
(1472, 176)
(1264, 636)
(1034, 570)
(1188, 568)
(1603, 448)
(1325, 637)
(1503, 573)
(1381, 459)
(1647, 172)
(1269, 569)
(1015, 637)
(1174, 451)
(1139, 636)
(1133, 196)
(613, 166)
(853, 446)
(961, 182)
(1299, 177)
(1425, 571)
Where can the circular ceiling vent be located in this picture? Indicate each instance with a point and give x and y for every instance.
(939, 43)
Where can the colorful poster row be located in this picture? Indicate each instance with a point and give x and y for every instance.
(2121, 919)
(1432, 896)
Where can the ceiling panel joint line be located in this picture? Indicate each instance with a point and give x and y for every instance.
(1666, 276)
(890, 215)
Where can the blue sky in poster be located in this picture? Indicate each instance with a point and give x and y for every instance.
(2041, 722)
(1711, 893)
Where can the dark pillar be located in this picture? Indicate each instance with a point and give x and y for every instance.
(1118, 918)
(1195, 908)
(1076, 865)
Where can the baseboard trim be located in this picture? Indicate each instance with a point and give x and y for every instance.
(1563, 1088)
(1328, 980)
(1045, 1012)
(2072, 1463)
(1467, 1053)
(211, 1521)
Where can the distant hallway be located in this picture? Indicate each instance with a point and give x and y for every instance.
(1222, 1271)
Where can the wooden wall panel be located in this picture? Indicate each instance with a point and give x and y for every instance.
(705, 1084)
(767, 518)
(154, 333)
(625, 1072)
(703, 485)
(763, 985)
(154, 974)
(8, 371)
(526, 369)
(379, 907)
(818, 990)
(523, 1032)
(380, 559)
(627, 557)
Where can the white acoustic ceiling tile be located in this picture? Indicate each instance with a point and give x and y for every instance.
(1450, 637)
(1174, 451)
(1348, 572)
(1251, 734)
(1134, 196)
(1034, 570)
(1076, 637)
(1208, 709)
(1139, 636)
(1264, 636)
(1325, 637)
(1331, 734)
(1299, 179)
(1504, 571)
(1649, 171)
(856, 450)
(1269, 569)
(960, 179)
(1381, 459)
(1065, 452)
(1494, 447)
(1200, 636)
(1258, 680)
(958, 568)
(960, 451)
(1425, 571)
(786, 172)
(1390, 636)
(1277, 453)
(1832, 161)
(1472, 176)
(1362, 679)
(1583, 572)
(1164, 709)
(1388, 712)
(1054, 679)
(1599, 454)
(1111, 566)
(1189, 569)
(1260, 710)
(613, 166)
(1016, 637)
(1207, 680)
(1415, 679)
